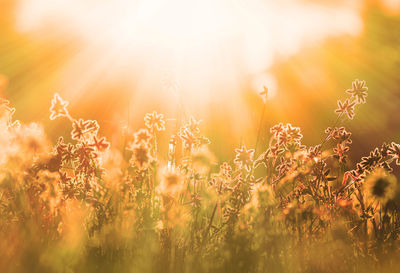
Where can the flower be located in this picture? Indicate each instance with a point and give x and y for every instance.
(154, 120)
(369, 162)
(140, 155)
(244, 157)
(58, 107)
(277, 129)
(358, 91)
(193, 126)
(100, 144)
(81, 127)
(394, 151)
(188, 138)
(346, 107)
(294, 133)
(142, 136)
(340, 134)
(381, 186)
(285, 134)
(84, 155)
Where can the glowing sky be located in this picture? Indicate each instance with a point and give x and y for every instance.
(203, 46)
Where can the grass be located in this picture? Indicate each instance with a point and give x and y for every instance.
(85, 206)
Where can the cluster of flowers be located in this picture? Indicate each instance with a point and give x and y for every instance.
(358, 94)
(289, 182)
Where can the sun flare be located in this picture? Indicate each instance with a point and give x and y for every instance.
(206, 47)
(201, 136)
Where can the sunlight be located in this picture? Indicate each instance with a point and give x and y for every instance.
(205, 46)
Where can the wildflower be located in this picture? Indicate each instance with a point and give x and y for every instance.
(346, 107)
(193, 125)
(142, 136)
(294, 133)
(141, 155)
(100, 144)
(368, 162)
(394, 151)
(154, 120)
(385, 149)
(340, 151)
(286, 134)
(277, 129)
(381, 186)
(84, 155)
(81, 127)
(244, 157)
(339, 134)
(358, 91)
(65, 151)
(189, 139)
(58, 107)
(283, 138)
(314, 151)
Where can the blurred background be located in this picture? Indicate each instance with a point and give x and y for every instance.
(117, 60)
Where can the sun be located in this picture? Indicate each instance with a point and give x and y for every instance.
(208, 49)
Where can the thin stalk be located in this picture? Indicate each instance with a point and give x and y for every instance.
(260, 127)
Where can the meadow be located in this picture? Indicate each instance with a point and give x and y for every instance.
(87, 206)
(213, 136)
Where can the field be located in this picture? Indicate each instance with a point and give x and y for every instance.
(132, 177)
